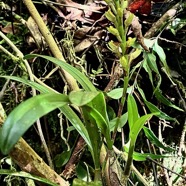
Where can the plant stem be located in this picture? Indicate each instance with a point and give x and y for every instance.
(50, 41)
(129, 161)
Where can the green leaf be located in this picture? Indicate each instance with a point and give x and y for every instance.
(78, 182)
(148, 70)
(66, 110)
(83, 172)
(115, 93)
(80, 77)
(80, 98)
(102, 124)
(27, 175)
(151, 61)
(143, 156)
(78, 125)
(153, 108)
(33, 84)
(99, 104)
(138, 125)
(122, 121)
(154, 140)
(162, 115)
(94, 134)
(132, 111)
(165, 101)
(160, 52)
(25, 114)
(61, 159)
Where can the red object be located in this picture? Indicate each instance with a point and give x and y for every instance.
(142, 6)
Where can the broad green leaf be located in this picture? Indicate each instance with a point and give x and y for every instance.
(27, 175)
(154, 140)
(151, 59)
(122, 121)
(80, 77)
(66, 110)
(80, 98)
(25, 114)
(115, 93)
(132, 111)
(159, 50)
(110, 112)
(118, 92)
(138, 125)
(102, 124)
(99, 104)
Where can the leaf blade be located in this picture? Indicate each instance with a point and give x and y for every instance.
(25, 114)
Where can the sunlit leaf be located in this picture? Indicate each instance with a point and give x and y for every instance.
(132, 111)
(25, 114)
(81, 98)
(66, 110)
(138, 125)
(115, 93)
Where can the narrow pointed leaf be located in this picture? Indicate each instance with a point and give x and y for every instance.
(144, 156)
(27, 175)
(80, 77)
(154, 140)
(132, 111)
(165, 101)
(138, 125)
(32, 84)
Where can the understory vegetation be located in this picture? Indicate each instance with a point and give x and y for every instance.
(92, 92)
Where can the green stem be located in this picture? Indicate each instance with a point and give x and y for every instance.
(122, 103)
(97, 175)
(128, 164)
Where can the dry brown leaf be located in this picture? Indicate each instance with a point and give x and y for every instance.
(81, 12)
